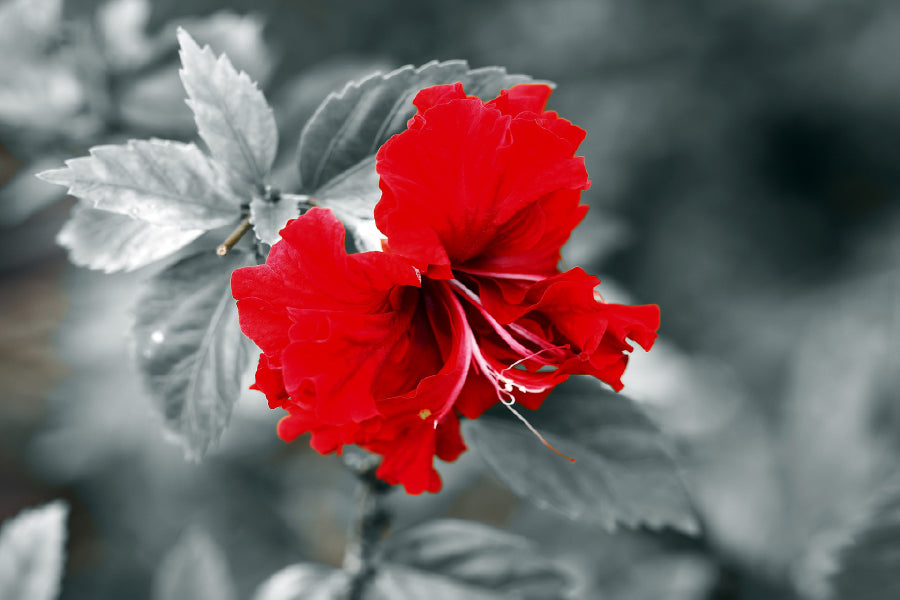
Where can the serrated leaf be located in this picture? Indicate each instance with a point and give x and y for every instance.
(269, 216)
(195, 568)
(231, 113)
(304, 581)
(239, 36)
(111, 242)
(352, 196)
(495, 563)
(168, 184)
(32, 552)
(623, 473)
(190, 349)
(351, 125)
(868, 567)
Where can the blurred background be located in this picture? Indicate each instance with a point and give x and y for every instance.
(745, 166)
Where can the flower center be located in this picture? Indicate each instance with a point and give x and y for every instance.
(512, 376)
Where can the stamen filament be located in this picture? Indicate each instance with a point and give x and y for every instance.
(504, 335)
(535, 431)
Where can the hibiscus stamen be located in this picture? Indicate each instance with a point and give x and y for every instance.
(528, 357)
(476, 301)
(532, 429)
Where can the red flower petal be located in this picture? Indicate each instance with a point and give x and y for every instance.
(458, 187)
(269, 382)
(571, 314)
(312, 306)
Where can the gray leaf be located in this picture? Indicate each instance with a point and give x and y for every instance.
(232, 115)
(239, 36)
(111, 242)
(164, 183)
(352, 196)
(304, 581)
(869, 565)
(394, 582)
(195, 568)
(351, 125)
(32, 547)
(622, 474)
(268, 217)
(494, 562)
(190, 349)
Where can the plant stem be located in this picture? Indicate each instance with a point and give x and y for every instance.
(235, 236)
(372, 522)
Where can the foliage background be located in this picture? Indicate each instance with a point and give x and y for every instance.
(745, 171)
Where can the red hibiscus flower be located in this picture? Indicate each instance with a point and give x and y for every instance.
(466, 306)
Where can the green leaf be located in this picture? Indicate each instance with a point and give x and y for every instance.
(351, 125)
(269, 216)
(352, 196)
(111, 242)
(472, 557)
(194, 568)
(190, 349)
(232, 115)
(304, 581)
(164, 183)
(868, 567)
(32, 552)
(623, 472)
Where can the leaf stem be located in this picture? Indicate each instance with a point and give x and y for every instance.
(371, 523)
(235, 236)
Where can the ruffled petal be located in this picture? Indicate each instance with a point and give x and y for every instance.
(312, 306)
(595, 333)
(409, 460)
(460, 185)
(269, 382)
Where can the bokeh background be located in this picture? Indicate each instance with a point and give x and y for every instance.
(745, 166)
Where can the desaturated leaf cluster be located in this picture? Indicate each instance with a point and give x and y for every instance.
(66, 83)
(442, 560)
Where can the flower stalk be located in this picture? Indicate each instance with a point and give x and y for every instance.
(372, 521)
